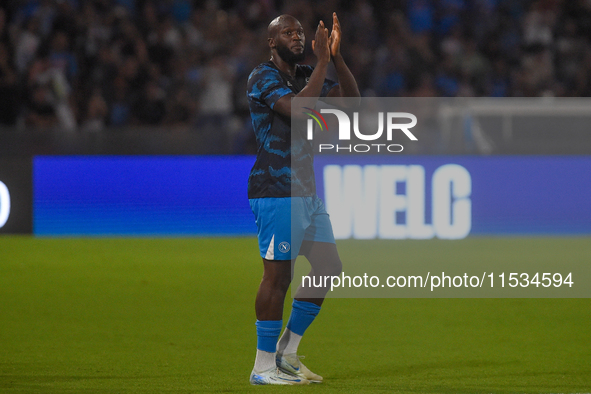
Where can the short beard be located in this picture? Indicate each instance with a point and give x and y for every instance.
(288, 56)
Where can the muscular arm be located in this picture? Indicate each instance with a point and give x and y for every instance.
(347, 84)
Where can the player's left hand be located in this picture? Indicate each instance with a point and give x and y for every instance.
(335, 36)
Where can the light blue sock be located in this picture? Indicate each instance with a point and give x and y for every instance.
(267, 334)
(302, 315)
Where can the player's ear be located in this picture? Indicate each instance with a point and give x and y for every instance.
(271, 42)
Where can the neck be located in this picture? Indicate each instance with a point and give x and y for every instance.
(282, 65)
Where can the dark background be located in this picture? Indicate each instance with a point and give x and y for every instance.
(169, 76)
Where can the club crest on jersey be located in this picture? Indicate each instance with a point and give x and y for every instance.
(284, 247)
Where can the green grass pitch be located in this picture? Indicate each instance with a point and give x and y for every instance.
(177, 316)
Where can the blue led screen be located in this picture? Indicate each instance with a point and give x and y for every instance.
(206, 195)
(141, 195)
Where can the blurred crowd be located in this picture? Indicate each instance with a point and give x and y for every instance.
(83, 66)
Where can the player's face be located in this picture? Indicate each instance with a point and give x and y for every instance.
(290, 42)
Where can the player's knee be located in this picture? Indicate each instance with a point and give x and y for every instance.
(335, 267)
(332, 267)
(283, 283)
(278, 281)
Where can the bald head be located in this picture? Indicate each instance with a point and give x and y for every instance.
(286, 39)
(278, 23)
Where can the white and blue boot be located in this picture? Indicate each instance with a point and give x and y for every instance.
(291, 364)
(275, 376)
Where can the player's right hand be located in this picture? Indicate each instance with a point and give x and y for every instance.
(320, 43)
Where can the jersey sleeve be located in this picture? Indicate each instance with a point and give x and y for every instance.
(265, 85)
(328, 84)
